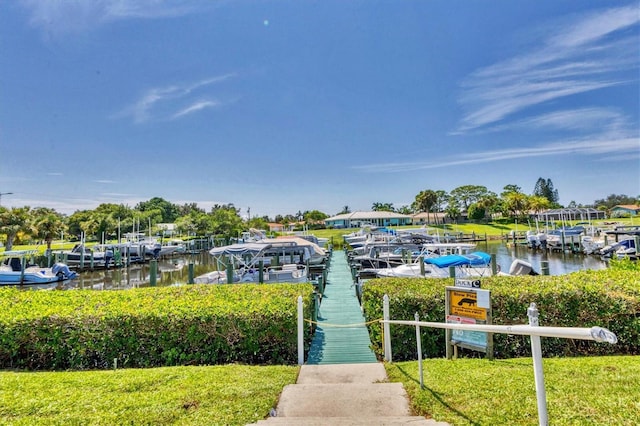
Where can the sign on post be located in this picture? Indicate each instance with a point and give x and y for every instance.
(467, 303)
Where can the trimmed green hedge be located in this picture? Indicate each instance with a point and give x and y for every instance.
(150, 327)
(606, 298)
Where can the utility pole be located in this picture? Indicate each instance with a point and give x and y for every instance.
(4, 193)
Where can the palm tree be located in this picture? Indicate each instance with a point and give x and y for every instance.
(13, 221)
(425, 201)
(382, 207)
(48, 224)
(538, 203)
(516, 203)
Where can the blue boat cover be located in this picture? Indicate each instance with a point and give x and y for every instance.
(477, 258)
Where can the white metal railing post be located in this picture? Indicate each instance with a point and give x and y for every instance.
(300, 332)
(419, 348)
(386, 333)
(538, 372)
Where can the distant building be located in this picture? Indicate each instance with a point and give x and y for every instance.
(276, 227)
(625, 210)
(425, 218)
(168, 229)
(359, 219)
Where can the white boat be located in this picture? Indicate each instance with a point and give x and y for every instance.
(293, 250)
(15, 270)
(149, 247)
(591, 244)
(283, 260)
(82, 256)
(623, 248)
(475, 264)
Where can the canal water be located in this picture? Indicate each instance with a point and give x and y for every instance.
(559, 262)
(175, 270)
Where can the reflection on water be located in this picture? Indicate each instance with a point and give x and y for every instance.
(175, 270)
(560, 263)
(171, 271)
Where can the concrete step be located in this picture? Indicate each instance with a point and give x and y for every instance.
(343, 400)
(350, 421)
(342, 373)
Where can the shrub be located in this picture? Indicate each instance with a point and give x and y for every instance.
(607, 298)
(150, 327)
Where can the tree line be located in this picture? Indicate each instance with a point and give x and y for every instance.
(22, 225)
(478, 203)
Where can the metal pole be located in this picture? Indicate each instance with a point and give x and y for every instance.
(386, 333)
(598, 334)
(538, 372)
(419, 347)
(300, 332)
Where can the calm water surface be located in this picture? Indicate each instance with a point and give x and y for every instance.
(175, 270)
(560, 263)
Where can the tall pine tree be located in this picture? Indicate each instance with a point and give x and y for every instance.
(544, 188)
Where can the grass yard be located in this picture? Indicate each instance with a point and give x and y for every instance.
(217, 395)
(580, 391)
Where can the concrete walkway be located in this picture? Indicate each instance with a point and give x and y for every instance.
(345, 394)
(342, 383)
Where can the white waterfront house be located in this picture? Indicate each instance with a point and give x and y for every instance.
(359, 219)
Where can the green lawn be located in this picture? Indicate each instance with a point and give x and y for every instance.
(217, 395)
(580, 391)
(493, 229)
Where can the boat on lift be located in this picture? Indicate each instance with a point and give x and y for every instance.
(15, 270)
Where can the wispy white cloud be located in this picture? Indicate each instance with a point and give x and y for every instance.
(580, 56)
(57, 17)
(587, 119)
(199, 105)
(105, 181)
(116, 194)
(168, 102)
(613, 144)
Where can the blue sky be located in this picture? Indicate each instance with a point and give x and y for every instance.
(290, 105)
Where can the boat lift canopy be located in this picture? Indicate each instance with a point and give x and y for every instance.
(477, 258)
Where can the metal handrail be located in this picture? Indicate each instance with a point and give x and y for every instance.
(533, 330)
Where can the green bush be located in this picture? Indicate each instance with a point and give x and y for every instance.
(150, 327)
(606, 298)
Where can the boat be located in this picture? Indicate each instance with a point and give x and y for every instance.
(623, 248)
(591, 244)
(15, 270)
(295, 249)
(81, 256)
(270, 260)
(147, 247)
(474, 264)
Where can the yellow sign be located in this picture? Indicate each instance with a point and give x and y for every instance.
(465, 304)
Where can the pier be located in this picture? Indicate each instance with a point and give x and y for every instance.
(342, 383)
(341, 336)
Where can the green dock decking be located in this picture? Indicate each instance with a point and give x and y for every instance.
(341, 336)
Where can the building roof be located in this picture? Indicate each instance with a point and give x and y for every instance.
(368, 216)
(627, 206)
(571, 210)
(427, 215)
